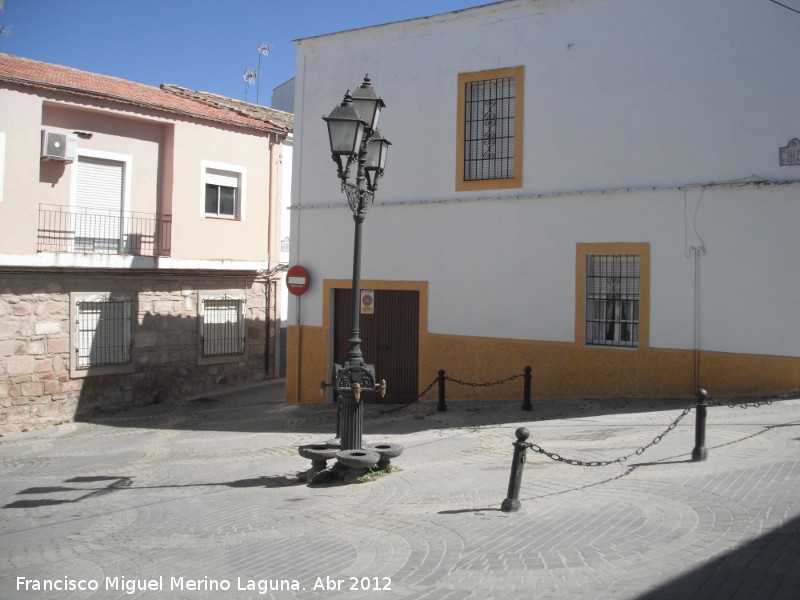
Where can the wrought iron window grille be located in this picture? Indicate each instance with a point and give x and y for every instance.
(612, 300)
(489, 143)
(103, 332)
(223, 326)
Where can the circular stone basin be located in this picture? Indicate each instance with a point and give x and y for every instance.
(358, 458)
(386, 451)
(317, 452)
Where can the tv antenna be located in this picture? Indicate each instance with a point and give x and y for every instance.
(263, 50)
(251, 75)
(4, 29)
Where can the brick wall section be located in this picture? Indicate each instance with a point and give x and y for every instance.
(36, 389)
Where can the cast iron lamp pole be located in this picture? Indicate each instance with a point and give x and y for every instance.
(354, 136)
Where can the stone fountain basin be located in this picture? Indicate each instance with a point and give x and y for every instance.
(386, 450)
(319, 452)
(357, 458)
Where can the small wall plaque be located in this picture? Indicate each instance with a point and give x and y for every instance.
(790, 153)
(367, 302)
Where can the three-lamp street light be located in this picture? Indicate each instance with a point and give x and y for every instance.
(354, 137)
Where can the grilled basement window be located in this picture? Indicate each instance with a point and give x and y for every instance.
(612, 300)
(490, 129)
(104, 332)
(223, 326)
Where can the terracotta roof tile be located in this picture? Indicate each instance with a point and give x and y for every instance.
(278, 118)
(172, 99)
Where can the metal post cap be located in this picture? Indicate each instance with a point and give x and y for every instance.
(522, 434)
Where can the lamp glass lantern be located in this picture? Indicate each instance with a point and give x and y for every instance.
(368, 103)
(345, 128)
(375, 162)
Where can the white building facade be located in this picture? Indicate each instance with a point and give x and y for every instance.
(604, 190)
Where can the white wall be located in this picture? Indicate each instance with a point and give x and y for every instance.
(283, 96)
(618, 94)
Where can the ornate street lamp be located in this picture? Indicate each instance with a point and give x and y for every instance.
(353, 135)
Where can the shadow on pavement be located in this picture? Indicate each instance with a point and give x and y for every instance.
(765, 567)
(263, 409)
(122, 483)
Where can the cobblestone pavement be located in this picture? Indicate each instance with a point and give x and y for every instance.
(202, 500)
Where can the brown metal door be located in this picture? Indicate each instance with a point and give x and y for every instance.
(389, 339)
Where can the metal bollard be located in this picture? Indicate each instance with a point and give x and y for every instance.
(512, 503)
(442, 406)
(526, 394)
(700, 451)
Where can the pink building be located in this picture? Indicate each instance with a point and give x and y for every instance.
(139, 246)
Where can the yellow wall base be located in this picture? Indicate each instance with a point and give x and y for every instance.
(560, 370)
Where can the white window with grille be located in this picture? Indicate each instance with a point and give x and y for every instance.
(612, 300)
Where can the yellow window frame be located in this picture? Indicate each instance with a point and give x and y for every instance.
(518, 74)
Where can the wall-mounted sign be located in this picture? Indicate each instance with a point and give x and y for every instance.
(297, 280)
(367, 302)
(790, 153)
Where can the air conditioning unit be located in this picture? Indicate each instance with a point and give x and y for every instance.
(59, 146)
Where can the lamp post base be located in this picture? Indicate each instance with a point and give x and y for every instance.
(352, 422)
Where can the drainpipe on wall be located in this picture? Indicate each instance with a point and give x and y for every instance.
(273, 251)
(698, 252)
(268, 316)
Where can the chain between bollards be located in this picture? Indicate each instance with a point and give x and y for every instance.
(699, 453)
(526, 394)
(512, 503)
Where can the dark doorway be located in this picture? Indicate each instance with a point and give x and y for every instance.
(389, 339)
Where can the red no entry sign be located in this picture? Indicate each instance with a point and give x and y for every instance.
(297, 280)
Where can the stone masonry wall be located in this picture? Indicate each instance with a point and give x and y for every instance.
(36, 389)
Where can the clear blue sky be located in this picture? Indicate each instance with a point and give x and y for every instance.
(199, 44)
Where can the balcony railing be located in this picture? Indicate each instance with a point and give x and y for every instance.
(97, 232)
